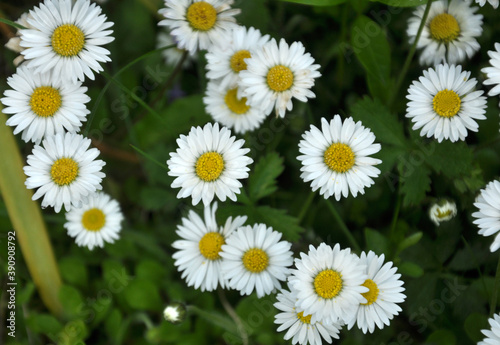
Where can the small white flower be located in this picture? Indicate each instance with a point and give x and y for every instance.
(493, 3)
(226, 59)
(444, 103)
(329, 282)
(14, 43)
(172, 56)
(67, 38)
(493, 71)
(488, 215)
(385, 290)
(64, 170)
(209, 162)
(442, 211)
(198, 254)
(492, 334)
(225, 107)
(299, 327)
(450, 32)
(96, 222)
(175, 313)
(254, 258)
(275, 75)
(337, 158)
(42, 105)
(198, 24)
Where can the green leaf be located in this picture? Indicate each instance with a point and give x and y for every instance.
(374, 115)
(370, 46)
(409, 241)
(143, 295)
(317, 2)
(410, 269)
(150, 270)
(415, 183)
(473, 325)
(71, 300)
(451, 159)
(43, 323)
(375, 241)
(262, 181)
(441, 337)
(402, 3)
(216, 319)
(74, 271)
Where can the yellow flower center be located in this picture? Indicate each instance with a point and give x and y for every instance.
(237, 61)
(339, 157)
(372, 294)
(304, 319)
(255, 260)
(45, 101)
(93, 219)
(446, 103)
(201, 16)
(68, 40)
(64, 171)
(237, 106)
(444, 28)
(210, 245)
(328, 284)
(279, 78)
(209, 166)
(443, 214)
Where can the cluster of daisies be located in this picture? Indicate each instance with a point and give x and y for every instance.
(327, 288)
(60, 45)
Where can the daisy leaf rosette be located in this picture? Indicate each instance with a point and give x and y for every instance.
(96, 222)
(42, 105)
(385, 291)
(254, 258)
(298, 326)
(276, 74)
(64, 170)
(444, 104)
(209, 162)
(328, 282)
(198, 251)
(67, 39)
(336, 159)
(449, 34)
(198, 24)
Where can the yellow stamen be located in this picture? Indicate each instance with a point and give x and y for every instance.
(64, 171)
(444, 28)
(93, 219)
(237, 61)
(209, 166)
(210, 245)
(255, 260)
(68, 40)
(45, 101)
(446, 103)
(237, 106)
(201, 16)
(339, 157)
(328, 284)
(372, 294)
(280, 78)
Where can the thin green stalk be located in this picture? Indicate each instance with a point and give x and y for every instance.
(305, 207)
(473, 256)
(163, 166)
(342, 225)
(409, 57)
(232, 313)
(27, 222)
(395, 216)
(11, 23)
(496, 286)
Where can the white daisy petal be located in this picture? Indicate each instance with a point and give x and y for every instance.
(488, 214)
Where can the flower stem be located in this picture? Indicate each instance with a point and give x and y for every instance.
(342, 226)
(409, 57)
(305, 207)
(496, 286)
(232, 313)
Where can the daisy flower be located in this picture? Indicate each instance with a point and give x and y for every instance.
(175, 313)
(329, 282)
(385, 290)
(225, 107)
(493, 334)
(42, 105)
(198, 24)
(198, 254)
(275, 75)
(226, 59)
(337, 158)
(442, 211)
(209, 162)
(493, 3)
(450, 31)
(96, 222)
(488, 215)
(64, 170)
(67, 39)
(254, 258)
(444, 103)
(299, 327)
(493, 72)
(172, 56)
